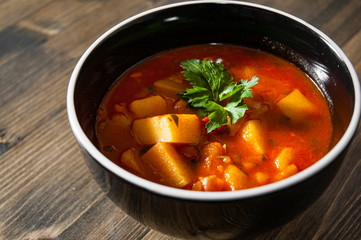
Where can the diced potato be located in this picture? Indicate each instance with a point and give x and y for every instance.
(130, 160)
(261, 178)
(235, 177)
(287, 172)
(284, 158)
(296, 106)
(149, 106)
(122, 121)
(253, 133)
(172, 128)
(247, 166)
(165, 160)
(197, 186)
(170, 86)
(212, 183)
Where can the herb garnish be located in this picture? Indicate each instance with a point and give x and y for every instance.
(175, 118)
(213, 84)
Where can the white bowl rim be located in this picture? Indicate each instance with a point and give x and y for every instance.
(212, 196)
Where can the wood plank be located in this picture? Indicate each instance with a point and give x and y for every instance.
(104, 220)
(352, 50)
(32, 190)
(13, 11)
(343, 22)
(343, 218)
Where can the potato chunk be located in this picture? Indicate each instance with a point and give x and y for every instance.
(131, 161)
(170, 86)
(212, 183)
(149, 106)
(284, 158)
(165, 160)
(253, 133)
(235, 177)
(172, 128)
(261, 178)
(296, 106)
(287, 172)
(122, 121)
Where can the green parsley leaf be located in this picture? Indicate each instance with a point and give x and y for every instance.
(175, 118)
(213, 84)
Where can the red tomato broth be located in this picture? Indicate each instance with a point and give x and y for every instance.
(310, 138)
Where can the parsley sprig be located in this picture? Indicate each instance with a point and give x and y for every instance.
(212, 84)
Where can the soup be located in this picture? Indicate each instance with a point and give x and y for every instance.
(146, 127)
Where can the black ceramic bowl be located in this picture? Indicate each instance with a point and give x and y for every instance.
(213, 215)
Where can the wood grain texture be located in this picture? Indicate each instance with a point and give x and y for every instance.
(46, 190)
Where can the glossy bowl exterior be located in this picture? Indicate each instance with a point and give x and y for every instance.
(202, 215)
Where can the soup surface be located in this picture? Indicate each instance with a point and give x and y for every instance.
(145, 128)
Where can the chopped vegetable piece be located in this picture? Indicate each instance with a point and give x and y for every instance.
(130, 160)
(261, 178)
(122, 121)
(165, 160)
(165, 129)
(287, 172)
(149, 106)
(170, 86)
(284, 158)
(235, 177)
(212, 183)
(296, 106)
(253, 134)
(249, 166)
(197, 186)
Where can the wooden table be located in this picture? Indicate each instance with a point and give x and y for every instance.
(46, 190)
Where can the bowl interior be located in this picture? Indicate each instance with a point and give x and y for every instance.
(201, 23)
